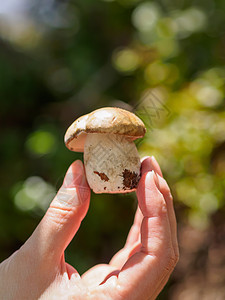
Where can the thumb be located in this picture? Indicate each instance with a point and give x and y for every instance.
(63, 218)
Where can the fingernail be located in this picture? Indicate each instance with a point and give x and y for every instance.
(74, 175)
(144, 158)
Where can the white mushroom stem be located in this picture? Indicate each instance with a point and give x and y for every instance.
(112, 163)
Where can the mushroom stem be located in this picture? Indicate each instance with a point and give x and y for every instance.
(112, 163)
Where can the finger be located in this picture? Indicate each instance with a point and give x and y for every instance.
(64, 215)
(133, 239)
(165, 190)
(134, 233)
(146, 268)
(154, 209)
(149, 163)
(119, 259)
(122, 255)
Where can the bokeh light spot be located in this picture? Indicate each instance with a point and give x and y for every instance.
(34, 195)
(189, 21)
(158, 72)
(41, 142)
(23, 201)
(208, 203)
(145, 16)
(205, 93)
(126, 60)
(167, 47)
(155, 73)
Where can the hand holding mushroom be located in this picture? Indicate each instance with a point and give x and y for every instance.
(137, 272)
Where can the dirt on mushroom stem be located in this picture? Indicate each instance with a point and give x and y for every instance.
(130, 179)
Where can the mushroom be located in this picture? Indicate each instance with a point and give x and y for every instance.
(111, 160)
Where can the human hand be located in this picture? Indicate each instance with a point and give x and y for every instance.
(139, 271)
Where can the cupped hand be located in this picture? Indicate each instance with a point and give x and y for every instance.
(138, 271)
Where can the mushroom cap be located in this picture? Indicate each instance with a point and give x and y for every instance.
(104, 120)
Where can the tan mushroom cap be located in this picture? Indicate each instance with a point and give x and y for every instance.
(104, 120)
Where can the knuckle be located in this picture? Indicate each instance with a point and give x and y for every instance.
(177, 256)
(162, 208)
(172, 260)
(170, 265)
(176, 252)
(170, 196)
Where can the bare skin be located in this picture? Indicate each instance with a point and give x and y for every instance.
(138, 271)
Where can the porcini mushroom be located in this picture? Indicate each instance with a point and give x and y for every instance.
(111, 160)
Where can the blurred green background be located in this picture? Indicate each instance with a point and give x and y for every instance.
(163, 60)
